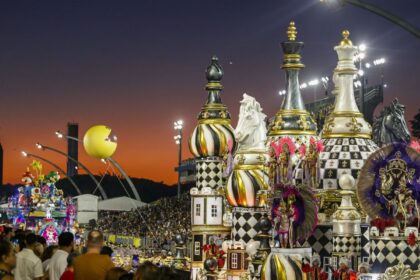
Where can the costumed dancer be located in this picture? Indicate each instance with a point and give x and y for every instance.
(310, 162)
(344, 272)
(316, 272)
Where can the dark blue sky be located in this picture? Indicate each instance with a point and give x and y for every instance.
(139, 65)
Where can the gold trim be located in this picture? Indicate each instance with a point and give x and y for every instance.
(251, 151)
(214, 85)
(241, 190)
(345, 41)
(209, 229)
(291, 132)
(291, 31)
(214, 105)
(202, 141)
(249, 167)
(346, 114)
(292, 56)
(280, 268)
(292, 112)
(222, 139)
(293, 65)
(214, 121)
(347, 135)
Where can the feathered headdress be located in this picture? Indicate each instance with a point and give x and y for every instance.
(415, 144)
(276, 147)
(289, 142)
(319, 146)
(302, 150)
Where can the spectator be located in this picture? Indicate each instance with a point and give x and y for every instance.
(106, 250)
(39, 249)
(8, 233)
(69, 272)
(7, 260)
(92, 265)
(147, 271)
(28, 265)
(166, 273)
(115, 273)
(58, 263)
(46, 257)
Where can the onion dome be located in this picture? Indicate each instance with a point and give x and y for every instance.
(292, 119)
(214, 134)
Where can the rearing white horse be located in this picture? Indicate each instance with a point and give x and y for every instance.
(251, 131)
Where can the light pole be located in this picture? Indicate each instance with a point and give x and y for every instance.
(178, 125)
(380, 12)
(29, 155)
(110, 159)
(98, 185)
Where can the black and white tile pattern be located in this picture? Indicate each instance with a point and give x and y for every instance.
(365, 243)
(343, 156)
(209, 173)
(245, 223)
(347, 244)
(321, 241)
(387, 252)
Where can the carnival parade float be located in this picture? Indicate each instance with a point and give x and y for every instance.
(279, 201)
(39, 205)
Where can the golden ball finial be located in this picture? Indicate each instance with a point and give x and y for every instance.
(346, 41)
(291, 31)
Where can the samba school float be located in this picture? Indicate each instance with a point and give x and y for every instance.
(279, 201)
(40, 206)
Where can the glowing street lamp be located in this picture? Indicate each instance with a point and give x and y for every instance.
(178, 125)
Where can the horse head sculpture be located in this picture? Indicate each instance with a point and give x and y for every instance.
(251, 131)
(391, 126)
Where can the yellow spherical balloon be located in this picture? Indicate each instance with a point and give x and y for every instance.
(99, 142)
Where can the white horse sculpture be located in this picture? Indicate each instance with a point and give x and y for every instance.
(251, 131)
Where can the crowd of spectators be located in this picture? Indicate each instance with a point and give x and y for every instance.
(159, 221)
(26, 256)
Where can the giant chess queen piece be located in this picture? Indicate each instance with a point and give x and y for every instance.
(346, 223)
(346, 134)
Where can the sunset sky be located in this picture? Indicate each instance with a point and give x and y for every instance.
(137, 66)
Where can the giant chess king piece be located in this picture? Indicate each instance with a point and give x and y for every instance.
(292, 119)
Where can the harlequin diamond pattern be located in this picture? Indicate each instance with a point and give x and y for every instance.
(365, 244)
(386, 253)
(209, 174)
(245, 224)
(343, 156)
(346, 244)
(321, 241)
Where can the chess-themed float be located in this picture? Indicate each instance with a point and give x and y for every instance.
(40, 206)
(281, 203)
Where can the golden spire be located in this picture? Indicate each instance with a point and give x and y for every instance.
(291, 31)
(346, 41)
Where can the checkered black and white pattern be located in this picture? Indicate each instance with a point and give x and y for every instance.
(209, 173)
(245, 223)
(347, 244)
(343, 156)
(391, 251)
(321, 241)
(365, 243)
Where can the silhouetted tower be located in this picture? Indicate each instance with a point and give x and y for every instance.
(72, 148)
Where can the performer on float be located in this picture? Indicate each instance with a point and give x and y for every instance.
(310, 162)
(316, 272)
(344, 272)
(283, 223)
(283, 149)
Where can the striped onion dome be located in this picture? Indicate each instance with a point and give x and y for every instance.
(248, 177)
(282, 267)
(213, 132)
